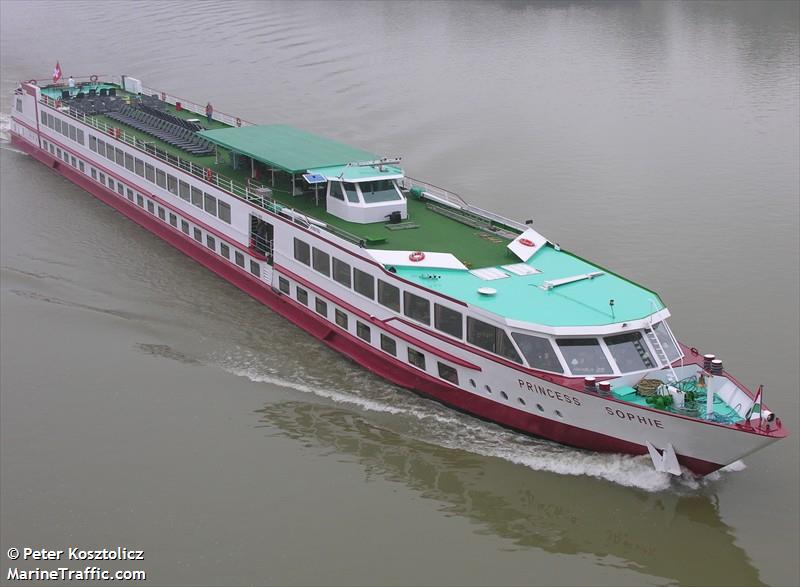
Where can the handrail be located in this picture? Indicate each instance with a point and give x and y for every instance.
(196, 108)
(226, 184)
(455, 200)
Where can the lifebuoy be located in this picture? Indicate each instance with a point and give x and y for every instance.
(93, 79)
(209, 173)
(416, 256)
(526, 241)
(238, 121)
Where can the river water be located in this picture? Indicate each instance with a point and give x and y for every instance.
(147, 403)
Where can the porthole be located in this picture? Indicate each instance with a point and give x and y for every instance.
(472, 382)
(487, 388)
(504, 394)
(558, 413)
(539, 407)
(520, 400)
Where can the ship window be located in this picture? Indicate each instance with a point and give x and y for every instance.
(73, 135)
(172, 183)
(388, 344)
(52, 149)
(341, 318)
(301, 295)
(210, 204)
(57, 126)
(336, 190)
(80, 166)
(19, 105)
(448, 373)
(416, 358)
(283, 283)
(101, 148)
(120, 189)
(350, 189)
(183, 188)
(666, 340)
(198, 236)
(80, 136)
(364, 283)
(129, 191)
(44, 118)
(584, 356)
(382, 190)
(184, 226)
(388, 295)
(321, 306)
(197, 197)
(416, 307)
(341, 272)
(128, 161)
(120, 158)
(110, 152)
(224, 211)
(630, 352)
(140, 202)
(162, 213)
(102, 177)
(321, 262)
(161, 178)
(225, 250)
(240, 262)
(448, 320)
(149, 172)
(211, 243)
(73, 161)
(173, 220)
(138, 165)
(363, 332)
(538, 351)
(302, 251)
(491, 338)
(152, 208)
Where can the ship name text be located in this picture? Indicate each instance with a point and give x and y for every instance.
(623, 415)
(541, 390)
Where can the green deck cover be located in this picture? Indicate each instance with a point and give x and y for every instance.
(286, 147)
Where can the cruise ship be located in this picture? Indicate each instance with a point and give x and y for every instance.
(459, 304)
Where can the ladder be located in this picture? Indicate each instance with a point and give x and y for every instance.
(659, 348)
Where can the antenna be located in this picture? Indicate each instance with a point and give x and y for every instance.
(379, 163)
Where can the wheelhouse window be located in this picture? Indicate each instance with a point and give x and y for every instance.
(630, 352)
(584, 356)
(341, 272)
(416, 307)
(352, 194)
(388, 295)
(382, 190)
(490, 338)
(336, 190)
(321, 261)
(448, 320)
(666, 340)
(302, 251)
(538, 352)
(364, 283)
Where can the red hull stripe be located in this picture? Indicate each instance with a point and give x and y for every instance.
(369, 357)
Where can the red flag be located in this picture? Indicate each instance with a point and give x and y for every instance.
(57, 73)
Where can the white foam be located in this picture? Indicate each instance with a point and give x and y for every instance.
(459, 432)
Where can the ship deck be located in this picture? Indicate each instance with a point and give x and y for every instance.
(432, 231)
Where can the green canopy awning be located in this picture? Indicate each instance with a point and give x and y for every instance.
(285, 147)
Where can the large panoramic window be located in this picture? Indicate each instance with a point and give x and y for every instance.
(538, 351)
(389, 296)
(630, 352)
(448, 320)
(584, 356)
(321, 261)
(382, 190)
(302, 251)
(224, 211)
(364, 283)
(666, 340)
(417, 308)
(341, 272)
(491, 338)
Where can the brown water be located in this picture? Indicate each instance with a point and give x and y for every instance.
(146, 403)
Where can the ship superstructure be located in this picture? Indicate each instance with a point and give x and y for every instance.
(478, 311)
